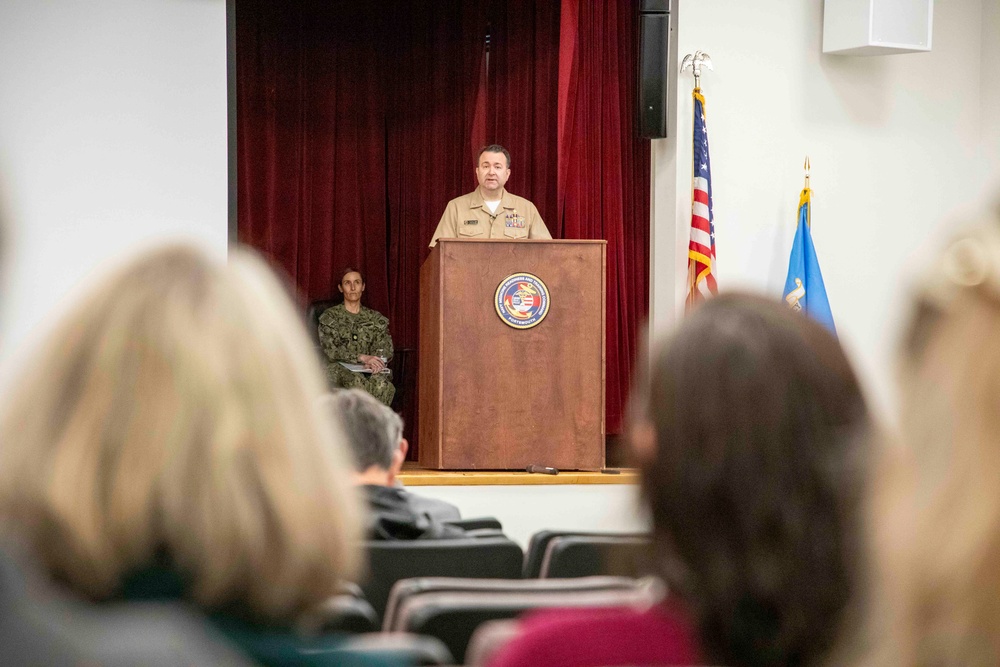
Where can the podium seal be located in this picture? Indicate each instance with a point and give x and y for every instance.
(522, 300)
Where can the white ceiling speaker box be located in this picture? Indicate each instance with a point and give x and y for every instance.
(877, 27)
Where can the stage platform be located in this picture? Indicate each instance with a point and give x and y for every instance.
(414, 475)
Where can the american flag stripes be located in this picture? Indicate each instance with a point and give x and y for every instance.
(701, 248)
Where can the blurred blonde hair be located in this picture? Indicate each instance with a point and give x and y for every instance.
(935, 502)
(172, 413)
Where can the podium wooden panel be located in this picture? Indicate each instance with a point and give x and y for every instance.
(492, 397)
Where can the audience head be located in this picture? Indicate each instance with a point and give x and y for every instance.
(374, 433)
(170, 418)
(936, 508)
(747, 434)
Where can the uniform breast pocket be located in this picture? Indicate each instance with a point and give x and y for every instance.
(515, 232)
(470, 230)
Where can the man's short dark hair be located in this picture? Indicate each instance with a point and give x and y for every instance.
(373, 430)
(494, 148)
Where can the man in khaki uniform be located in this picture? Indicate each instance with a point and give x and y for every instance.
(490, 212)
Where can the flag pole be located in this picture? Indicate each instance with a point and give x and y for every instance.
(694, 62)
(804, 288)
(701, 246)
(804, 197)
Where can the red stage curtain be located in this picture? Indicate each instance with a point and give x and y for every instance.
(353, 131)
(522, 97)
(604, 171)
(431, 82)
(356, 125)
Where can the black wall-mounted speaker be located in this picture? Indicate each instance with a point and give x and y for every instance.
(654, 46)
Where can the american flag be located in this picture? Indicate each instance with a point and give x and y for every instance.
(701, 248)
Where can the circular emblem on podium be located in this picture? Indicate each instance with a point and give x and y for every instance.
(522, 300)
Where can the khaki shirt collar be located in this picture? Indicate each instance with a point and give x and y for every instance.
(477, 201)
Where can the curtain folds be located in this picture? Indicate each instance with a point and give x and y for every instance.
(355, 127)
(604, 171)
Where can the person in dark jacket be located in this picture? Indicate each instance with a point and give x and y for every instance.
(375, 435)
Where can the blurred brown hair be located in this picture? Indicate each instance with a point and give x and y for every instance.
(754, 478)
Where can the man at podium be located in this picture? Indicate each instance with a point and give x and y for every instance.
(490, 212)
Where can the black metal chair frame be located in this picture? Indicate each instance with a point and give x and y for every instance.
(538, 545)
(491, 557)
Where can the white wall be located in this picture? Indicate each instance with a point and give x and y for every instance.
(665, 260)
(525, 510)
(895, 142)
(112, 132)
(990, 103)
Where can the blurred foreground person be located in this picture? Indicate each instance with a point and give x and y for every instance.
(752, 472)
(164, 445)
(936, 498)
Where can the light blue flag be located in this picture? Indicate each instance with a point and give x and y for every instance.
(804, 288)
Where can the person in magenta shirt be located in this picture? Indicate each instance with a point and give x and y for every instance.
(604, 636)
(749, 432)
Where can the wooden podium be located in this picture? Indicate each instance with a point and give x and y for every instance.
(494, 397)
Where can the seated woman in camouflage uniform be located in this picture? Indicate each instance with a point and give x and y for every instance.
(353, 334)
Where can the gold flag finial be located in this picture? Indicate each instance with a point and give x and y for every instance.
(806, 166)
